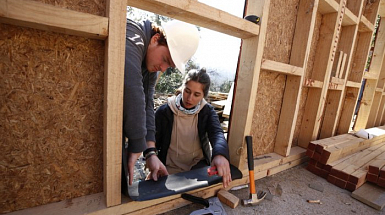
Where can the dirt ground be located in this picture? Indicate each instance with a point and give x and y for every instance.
(293, 184)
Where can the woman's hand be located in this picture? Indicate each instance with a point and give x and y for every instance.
(157, 168)
(223, 168)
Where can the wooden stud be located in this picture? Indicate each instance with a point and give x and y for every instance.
(245, 90)
(327, 6)
(293, 87)
(340, 56)
(47, 17)
(343, 65)
(349, 18)
(282, 68)
(113, 101)
(200, 14)
(311, 120)
(375, 107)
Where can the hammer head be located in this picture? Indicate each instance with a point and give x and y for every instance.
(255, 198)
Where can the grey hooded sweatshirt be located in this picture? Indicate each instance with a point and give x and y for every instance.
(139, 87)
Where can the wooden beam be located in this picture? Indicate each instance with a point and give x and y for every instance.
(113, 101)
(340, 56)
(380, 113)
(349, 18)
(47, 17)
(374, 109)
(371, 84)
(200, 14)
(282, 68)
(313, 83)
(293, 87)
(343, 66)
(370, 76)
(329, 121)
(360, 56)
(353, 84)
(327, 6)
(326, 48)
(365, 25)
(245, 90)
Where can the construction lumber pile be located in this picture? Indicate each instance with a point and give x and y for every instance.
(376, 172)
(344, 160)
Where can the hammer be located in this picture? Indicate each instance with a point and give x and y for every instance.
(255, 198)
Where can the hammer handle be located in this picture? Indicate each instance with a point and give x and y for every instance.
(250, 163)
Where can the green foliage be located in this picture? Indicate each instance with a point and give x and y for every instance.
(169, 82)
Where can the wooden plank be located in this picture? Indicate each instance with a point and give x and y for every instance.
(381, 111)
(286, 166)
(372, 195)
(335, 99)
(365, 25)
(219, 104)
(227, 109)
(327, 6)
(370, 76)
(282, 68)
(343, 67)
(340, 56)
(360, 56)
(113, 102)
(47, 17)
(338, 81)
(343, 169)
(245, 90)
(349, 18)
(228, 198)
(353, 84)
(371, 84)
(200, 14)
(374, 109)
(326, 49)
(313, 83)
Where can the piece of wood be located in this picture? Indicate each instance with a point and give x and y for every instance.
(219, 104)
(299, 57)
(245, 90)
(323, 63)
(343, 67)
(286, 166)
(371, 195)
(371, 84)
(349, 18)
(340, 56)
(228, 199)
(312, 83)
(353, 84)
(365, 25)
(200, 14)
(47, 17)
(113, 102)
(381, 110)
(374, 109)
(327, 6)
(282, 68)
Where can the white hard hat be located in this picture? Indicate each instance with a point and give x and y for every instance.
(182, 40)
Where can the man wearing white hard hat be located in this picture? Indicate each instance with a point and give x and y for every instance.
(149, 49)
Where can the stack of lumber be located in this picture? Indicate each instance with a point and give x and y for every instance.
(344, 160)
(376, 172)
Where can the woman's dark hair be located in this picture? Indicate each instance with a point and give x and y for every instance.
(158, 30)
(199, 76)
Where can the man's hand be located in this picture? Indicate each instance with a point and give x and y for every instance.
(157, 168)
(223, 168)
(132, 157)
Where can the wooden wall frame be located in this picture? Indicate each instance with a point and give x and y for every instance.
(339, 70)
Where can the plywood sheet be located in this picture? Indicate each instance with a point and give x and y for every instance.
(51, 120)
(371, 194)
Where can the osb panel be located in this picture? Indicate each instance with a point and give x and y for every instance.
(308, 72)
(96, 7)
(280, 30)
(51, 117)
(267, 110)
